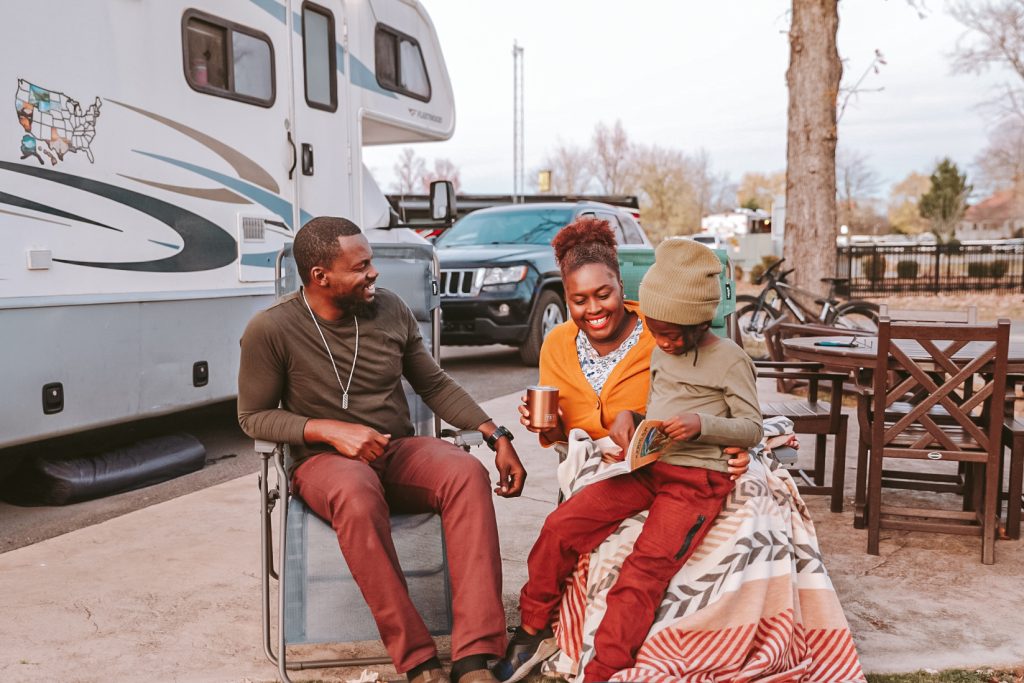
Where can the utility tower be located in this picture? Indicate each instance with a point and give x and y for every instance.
(518, 171)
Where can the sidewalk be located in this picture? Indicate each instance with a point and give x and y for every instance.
(171, 592)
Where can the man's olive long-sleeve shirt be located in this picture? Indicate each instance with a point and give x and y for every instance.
(284, 362)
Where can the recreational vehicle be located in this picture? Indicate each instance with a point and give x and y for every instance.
(157, 156)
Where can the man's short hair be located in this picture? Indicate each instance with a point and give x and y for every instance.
(316, 244)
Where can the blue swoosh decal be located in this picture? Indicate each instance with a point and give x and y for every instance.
(205, 246)
(272, 202)
(266, 259)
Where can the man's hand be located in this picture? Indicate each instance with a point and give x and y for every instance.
(684, 427)
(739, 463)
(355, 441)
(511, 473)
(622, 429)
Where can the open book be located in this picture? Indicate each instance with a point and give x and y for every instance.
(647, 445)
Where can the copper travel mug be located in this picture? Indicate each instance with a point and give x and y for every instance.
(542, 402)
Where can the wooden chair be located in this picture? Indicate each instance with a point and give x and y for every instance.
(952, 482)
(811, 416)
(973, 434)
(968, 316)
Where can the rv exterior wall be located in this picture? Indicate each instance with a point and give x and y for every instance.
(161, 187)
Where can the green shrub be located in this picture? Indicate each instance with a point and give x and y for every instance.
(907, 269)
(758, 269)
(874, 266)
(998, 268)
(953, 244)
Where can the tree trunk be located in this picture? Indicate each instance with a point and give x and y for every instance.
(813, 82)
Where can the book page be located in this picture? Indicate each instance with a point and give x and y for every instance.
(647, 445)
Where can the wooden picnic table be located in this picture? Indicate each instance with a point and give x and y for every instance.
(863, 355)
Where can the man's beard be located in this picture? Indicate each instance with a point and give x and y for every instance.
(358, 306)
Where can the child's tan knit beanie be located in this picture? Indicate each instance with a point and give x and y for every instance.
(682, 286)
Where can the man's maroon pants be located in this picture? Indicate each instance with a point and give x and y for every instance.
(415, 474)
(683, 503)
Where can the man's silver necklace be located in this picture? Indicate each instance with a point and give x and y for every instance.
(330, 356)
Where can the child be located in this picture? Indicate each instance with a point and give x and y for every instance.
(704, 390)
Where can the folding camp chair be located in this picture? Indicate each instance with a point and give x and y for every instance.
(317, 599)
(635, 260)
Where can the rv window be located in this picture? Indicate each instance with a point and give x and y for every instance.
(227, 60)
(319, 57)
(399, 64)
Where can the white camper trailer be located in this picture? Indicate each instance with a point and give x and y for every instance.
(157, 156)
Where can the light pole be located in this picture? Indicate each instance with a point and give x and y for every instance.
(518, 173)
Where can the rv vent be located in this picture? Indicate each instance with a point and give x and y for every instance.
(253, 229)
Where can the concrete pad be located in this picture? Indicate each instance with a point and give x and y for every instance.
(171, 592)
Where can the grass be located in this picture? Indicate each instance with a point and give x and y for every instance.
(953, 676)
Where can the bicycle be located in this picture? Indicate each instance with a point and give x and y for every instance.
(754, 313)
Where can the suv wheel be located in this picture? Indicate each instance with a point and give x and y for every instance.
(548, 314)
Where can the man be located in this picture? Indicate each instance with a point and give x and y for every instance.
(333, 355)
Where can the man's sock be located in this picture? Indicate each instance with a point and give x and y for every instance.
(467, 664)
(431, 663)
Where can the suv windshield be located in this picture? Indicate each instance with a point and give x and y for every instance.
(520, 226)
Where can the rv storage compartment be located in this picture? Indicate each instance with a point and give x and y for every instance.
(56, 479)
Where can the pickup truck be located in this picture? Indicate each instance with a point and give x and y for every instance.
(499, 280)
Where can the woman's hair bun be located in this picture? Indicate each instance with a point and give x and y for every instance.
(587, 231)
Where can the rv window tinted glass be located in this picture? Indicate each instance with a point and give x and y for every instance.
(318, 43)
(386, 59)
(207, 54)
(399, 64)
(251, 66)
(227, 60)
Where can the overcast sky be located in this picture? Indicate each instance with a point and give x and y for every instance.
(692, 74)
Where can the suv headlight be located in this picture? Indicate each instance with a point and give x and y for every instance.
(504, 276)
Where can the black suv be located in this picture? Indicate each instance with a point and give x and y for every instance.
(499, 280)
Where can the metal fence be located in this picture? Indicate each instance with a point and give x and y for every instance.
(904, 269)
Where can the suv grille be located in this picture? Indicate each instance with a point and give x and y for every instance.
(460, 282)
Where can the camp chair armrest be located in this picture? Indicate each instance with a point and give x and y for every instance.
(266, 447)
(463, 438)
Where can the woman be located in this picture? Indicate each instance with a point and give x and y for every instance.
(751, 584)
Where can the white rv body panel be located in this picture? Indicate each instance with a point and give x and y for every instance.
(140, 217)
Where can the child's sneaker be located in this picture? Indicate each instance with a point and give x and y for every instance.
(524, 654)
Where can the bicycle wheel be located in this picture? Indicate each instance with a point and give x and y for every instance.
(856, 315)
(751, 324)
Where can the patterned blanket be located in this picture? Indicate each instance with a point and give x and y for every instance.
(754, 603)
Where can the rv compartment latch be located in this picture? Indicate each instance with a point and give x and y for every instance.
(53, 398)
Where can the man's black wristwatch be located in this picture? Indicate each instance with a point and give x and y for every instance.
(492, 440)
